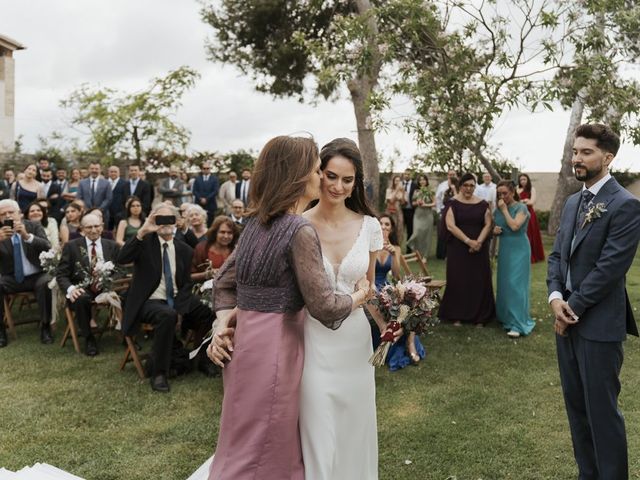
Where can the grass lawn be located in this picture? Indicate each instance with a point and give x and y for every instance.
(481, 406)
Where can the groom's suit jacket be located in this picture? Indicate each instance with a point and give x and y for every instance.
(598, 259)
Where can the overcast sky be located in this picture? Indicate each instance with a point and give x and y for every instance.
(124, 43)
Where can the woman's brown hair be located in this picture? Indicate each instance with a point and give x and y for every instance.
(212, 233)
(280, 176)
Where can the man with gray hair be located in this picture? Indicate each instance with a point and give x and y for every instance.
(161, 289)
(21, 243)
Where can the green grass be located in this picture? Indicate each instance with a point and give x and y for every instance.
(480, 406)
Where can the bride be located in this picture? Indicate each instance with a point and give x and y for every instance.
(337, 404)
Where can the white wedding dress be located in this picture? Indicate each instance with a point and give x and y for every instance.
(337, 403)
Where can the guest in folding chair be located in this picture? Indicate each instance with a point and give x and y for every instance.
(21, 243)
(80, 257)
(161, 289)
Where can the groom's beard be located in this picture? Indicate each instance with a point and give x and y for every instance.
(588, 174)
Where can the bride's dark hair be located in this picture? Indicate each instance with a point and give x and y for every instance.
(347, 148)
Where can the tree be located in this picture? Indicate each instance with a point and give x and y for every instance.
(282, 44)
(119, 121)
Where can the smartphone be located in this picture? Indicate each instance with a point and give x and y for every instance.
(8, 222)
(165, 219)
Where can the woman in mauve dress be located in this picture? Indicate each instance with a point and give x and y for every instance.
(468, 296)
(274, 272)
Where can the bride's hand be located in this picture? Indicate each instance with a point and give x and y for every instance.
(219, 351)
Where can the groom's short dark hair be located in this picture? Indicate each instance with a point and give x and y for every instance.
(606, 139)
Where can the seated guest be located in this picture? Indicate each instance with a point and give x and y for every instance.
(21, 243)
(197, 217)
(78, 257)
(134, 218)
(183, 226)
(221, 240)
(37, 212)
(98, 213)
(71, 221)
(237, 212)
(160, 290)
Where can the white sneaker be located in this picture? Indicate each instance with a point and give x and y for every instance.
(513, 334)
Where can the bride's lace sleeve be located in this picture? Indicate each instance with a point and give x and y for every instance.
(375, 234)
(224, 285)
(327, 307)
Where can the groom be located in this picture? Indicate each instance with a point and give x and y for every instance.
(594, 248)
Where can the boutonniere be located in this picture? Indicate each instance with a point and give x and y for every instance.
(594, 212)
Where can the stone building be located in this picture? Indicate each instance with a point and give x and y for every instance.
(7, 92)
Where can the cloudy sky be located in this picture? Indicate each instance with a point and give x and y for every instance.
(123, 43)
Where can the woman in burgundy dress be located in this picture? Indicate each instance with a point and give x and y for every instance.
(274, 272)
(468, 297)
(527, 195)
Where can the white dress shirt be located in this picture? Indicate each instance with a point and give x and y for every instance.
(161, 292)
(488, 193)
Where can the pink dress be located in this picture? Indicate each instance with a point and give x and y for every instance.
(273, 273)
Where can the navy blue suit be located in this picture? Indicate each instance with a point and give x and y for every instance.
(596, 255)
(209, 191)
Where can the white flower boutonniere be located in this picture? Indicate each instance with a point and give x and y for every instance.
(594, 212)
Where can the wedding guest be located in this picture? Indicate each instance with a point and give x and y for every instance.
(183, 226)
(137, 187)
(5, 190)
(468, 296)
(44, 164)
(205, 192)
(408, 349)
(37, 213)
(222, 237)
(160, 291)
(278, 252)
(50, 190)
(171, 188)
(26, 190)
(134, 218)
(198, 219)
(107, 234)
(187, 184)
(237, 213)
(71, 222)
(9, 177)
(527, 194)
(70, 193)
(594, 248)
(95, 191)
(514, 267)
(243, 188)
(84, 173)
(394, 202)
(227, 193)
(62, 182)
(487, 190)
(445, 191)
(423, 204)
(116, 208)
(408, 209)
(79, 258)
(20, 247)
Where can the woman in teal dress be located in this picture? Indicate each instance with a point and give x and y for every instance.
(514, 266)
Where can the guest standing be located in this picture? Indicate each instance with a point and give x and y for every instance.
(423, 204)
(527, 194)
(171, 188)
(408, 209)
(514, 267)
(50, 190)
(71, 191)
(227, 193)
(395, 199)
(243, 188)
(95, 191)
(205, 192)
(446, 191)
(468, 296)
(26, 190)
(137, 187)
(116, 210)
(279, 270)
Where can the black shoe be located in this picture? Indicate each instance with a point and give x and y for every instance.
(159, 384)
(45, 335)
(91, 348)
(3, 336)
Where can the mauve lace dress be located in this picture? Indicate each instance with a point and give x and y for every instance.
(274, 272)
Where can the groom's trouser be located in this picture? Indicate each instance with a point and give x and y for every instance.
(589, 372)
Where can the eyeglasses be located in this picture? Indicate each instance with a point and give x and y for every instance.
(90, 227)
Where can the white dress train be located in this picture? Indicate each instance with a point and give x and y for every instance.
(337, 406)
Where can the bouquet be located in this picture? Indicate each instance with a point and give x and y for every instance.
(424, 194)
(204, 290)
(407, 304)
(49, 261)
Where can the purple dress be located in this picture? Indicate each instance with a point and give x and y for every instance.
(274, 272)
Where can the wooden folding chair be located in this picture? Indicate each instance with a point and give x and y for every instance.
(131, 352)
(422, 265)
(9, 300)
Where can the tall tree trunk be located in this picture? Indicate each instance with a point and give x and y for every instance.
(487, 164)
(567, 183)
(361, 87)
(136, 146)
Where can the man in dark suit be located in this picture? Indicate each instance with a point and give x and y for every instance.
(160, 290)
(243, 187)
(594, 248)
(20, 248)
(79, 257)
(237, 212)
(138, 187)
(171, 187)
(95, 191)
(407, 209)
(205, 191)
(61, 181)
(52, 193)
(118, 199)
